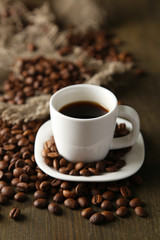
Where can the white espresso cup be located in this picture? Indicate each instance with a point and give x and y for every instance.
(89, 139)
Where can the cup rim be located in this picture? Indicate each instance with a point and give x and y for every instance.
(81, 119)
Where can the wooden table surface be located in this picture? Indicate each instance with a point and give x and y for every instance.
(137, 23)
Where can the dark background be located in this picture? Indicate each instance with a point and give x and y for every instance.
(137, 23)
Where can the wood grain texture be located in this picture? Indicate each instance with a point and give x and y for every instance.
(137, 23)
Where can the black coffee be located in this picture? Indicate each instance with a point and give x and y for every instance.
(83, 110)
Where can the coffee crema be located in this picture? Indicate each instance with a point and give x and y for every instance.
(83, 110)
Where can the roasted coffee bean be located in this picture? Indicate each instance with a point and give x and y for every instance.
(24, 178)
(41, 176)
(48, 161)
(114, 188)
(122, 202)
(140, 211)
(3, 165)
(3, 199)
(20, 196)
(74, 172)
(23, 142)
(37, 184)
(135, 202)
(56, 164)
(28, 170)
(71, 203)
(97, 218)
(79, 165)
(95, 191)
(106, 205)
(1, 175)
(113, 168)
(64, 170)
(31, 187)
(45, 186)
(45, 152)
(70, 166)
(108, 195)
(56, 183)
(66, 185)
(122, 211)
(100, 166)
(93, 171)
(18, 171)
(33, 178)
(87, 212)
(40, 194)
(137, 179)
(81, 189)
(19, 163)
(8, 191)
(22, 186)
(40, 203)
(83, 202)
(125, 191)
(120, 163)
(69, 194)
(26, 155)
(58, 197)
(63, 162)
(8, 177)
(14, 181)
(14, 213)
(52, 154)
(96, 199)
(84, 172)
(54, 208)
(108, 215)
(53, 191)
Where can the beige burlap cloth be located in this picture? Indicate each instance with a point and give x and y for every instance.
(20, 26)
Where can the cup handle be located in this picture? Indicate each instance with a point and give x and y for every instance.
(130, 114)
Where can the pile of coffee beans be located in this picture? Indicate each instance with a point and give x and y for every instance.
(111, 163)
(43, 75)
(20, 175)
(102, 45)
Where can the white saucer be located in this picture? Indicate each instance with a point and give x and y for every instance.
(134, 159)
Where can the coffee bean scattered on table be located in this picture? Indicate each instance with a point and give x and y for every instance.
(23, 176)
(14, 213)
